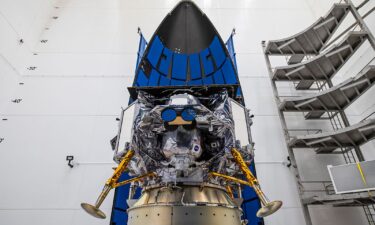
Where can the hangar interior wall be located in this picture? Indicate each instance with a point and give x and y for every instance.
(75, 62)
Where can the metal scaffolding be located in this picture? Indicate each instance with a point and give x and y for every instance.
(313, 58)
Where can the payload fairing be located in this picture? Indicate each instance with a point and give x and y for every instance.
(185, 137)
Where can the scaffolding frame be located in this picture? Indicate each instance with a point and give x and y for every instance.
(338, 119)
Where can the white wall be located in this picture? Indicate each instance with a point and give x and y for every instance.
(8, 81)
(70, 101)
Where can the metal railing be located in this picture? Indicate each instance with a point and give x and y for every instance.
(318, 187)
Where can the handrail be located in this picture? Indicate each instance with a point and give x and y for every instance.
(362, 4)
(316, 131)
(368, 116)
(327, 187)
(346, 30)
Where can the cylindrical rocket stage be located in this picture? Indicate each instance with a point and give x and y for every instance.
(185, 205)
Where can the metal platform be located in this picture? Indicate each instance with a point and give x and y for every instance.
(314, 56)
(334, 99)
(327, 142)
(314, 38)
(343, 200)
(324, 66)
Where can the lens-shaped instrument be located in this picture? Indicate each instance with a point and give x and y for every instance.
(188, 114)
(170, 114)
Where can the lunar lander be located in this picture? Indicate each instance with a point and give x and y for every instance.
(185, 137)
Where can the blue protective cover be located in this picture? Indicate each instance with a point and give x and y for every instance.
(213, 65)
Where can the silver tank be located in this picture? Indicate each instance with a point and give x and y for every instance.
(185, 205)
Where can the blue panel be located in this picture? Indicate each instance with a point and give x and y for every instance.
(119, 215)
(229, 73)
(154, 78)
(195, 66)
(217, 51)
(232, 53)
(250, 208)
(195, 82)
(218, 76)
(207, 62)
(179, 68)
(251, 203)
(141, 48)
(142, 80)
(177, 82)
(208, 80)
(239, 92)
(164, 81)
(165, 61)
(142, 45)
(248, 193)
(155, 51)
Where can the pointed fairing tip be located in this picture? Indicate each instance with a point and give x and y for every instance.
(186, 29)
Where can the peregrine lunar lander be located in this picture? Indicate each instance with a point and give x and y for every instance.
(185, 137)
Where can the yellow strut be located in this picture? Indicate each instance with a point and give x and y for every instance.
(112, 183)
(120, 169)
(362, 174)
(151, 174)
(226, 177)
(230, 192)
(249, 175)
(363, 177)
(244, 168)
(268, 207)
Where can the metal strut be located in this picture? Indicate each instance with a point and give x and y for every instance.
(268, 207)
(111, 183)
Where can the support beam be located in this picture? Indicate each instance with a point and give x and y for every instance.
(361, 23)
(293, 161)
